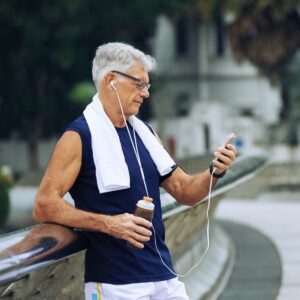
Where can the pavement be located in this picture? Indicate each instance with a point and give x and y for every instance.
(257, 271)
(279, 220)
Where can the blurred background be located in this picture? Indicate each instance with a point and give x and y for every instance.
(223, 66)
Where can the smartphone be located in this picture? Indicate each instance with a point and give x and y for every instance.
(230, 139)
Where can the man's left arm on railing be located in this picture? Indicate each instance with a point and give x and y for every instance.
(60, 175)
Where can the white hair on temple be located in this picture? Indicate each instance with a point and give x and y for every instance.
(120, 57)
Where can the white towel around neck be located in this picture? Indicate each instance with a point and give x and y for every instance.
(111, 169)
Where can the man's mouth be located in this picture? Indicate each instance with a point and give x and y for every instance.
(139, 102)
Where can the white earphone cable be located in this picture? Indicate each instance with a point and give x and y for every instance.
(207, 234)
(134, 145)
(135, 149)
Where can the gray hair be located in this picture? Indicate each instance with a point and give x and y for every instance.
(120, 57)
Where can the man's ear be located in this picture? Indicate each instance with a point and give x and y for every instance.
(108, 79)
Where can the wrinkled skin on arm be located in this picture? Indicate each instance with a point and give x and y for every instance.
(60, 175)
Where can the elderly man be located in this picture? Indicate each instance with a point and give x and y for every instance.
(108, 159)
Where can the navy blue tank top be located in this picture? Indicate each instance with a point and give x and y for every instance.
(108, 259)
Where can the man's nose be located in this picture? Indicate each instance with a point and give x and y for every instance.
(145, 92)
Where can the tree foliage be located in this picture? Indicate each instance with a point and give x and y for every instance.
(37, 41)
(265, 32)
(4, 199)
(47, 48)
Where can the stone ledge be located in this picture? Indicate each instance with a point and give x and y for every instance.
(208, 279)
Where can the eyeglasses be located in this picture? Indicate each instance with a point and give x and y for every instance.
(140, 84)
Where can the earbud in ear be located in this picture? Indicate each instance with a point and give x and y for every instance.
(112, 83)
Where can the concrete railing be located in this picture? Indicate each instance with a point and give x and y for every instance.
(46, 261)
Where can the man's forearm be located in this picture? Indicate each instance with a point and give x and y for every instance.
(197, 188)
(59, 211)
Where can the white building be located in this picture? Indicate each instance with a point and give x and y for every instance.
(204, 93)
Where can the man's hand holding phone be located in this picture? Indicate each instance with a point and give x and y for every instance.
(224, 157)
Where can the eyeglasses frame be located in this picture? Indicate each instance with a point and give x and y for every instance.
(139, 81)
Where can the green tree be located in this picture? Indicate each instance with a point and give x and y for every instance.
(266, 32)
(37, 41)
(5, 184)
(47, 48)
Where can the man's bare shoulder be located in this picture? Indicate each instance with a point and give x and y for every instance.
(68, 147)
(70, 136)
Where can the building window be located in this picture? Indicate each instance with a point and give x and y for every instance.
(182, 45)
(220, 36)
(182, 104)
(206, 137)
(247, 112)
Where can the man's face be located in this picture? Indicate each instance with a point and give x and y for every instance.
(133, 92)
